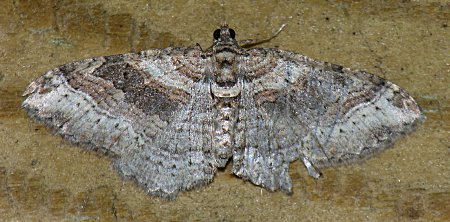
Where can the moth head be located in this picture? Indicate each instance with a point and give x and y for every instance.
(224, 36)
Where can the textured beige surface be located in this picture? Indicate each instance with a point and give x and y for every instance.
(45, 178)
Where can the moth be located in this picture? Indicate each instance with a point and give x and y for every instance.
(169, 118)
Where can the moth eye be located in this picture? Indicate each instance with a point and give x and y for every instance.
(232, 33)
(216, 34)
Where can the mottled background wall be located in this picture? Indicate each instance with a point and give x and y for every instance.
(45, 178)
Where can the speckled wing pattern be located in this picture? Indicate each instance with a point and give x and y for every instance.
(320, 113)
(169, 118)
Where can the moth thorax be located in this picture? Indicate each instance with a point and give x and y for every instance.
(225, 57)
(225, 72)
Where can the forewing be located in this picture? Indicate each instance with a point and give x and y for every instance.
(350, 115)
(324, 114)
(181, 158)
(135, 107)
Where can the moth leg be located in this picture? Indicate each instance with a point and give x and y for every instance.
(312, 171)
